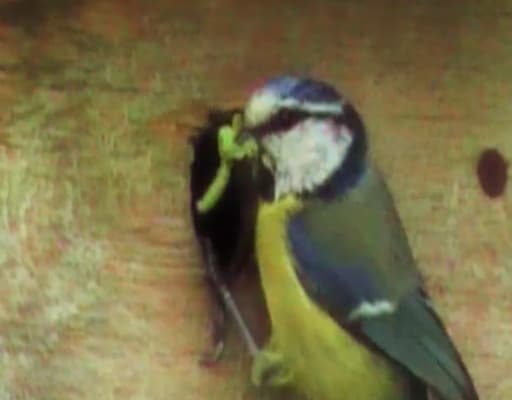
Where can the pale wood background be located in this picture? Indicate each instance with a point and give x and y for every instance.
(102, 289)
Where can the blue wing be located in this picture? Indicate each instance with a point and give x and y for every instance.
(349, 253)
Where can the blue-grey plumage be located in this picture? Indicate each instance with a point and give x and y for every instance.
(350, 318)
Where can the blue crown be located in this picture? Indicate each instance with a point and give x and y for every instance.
(303, 89)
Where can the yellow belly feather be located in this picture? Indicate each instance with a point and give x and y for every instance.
(327, 363)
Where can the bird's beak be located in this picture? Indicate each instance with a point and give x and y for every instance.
(247, 144)
(244, 136)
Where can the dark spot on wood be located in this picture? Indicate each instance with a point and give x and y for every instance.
(492, 172)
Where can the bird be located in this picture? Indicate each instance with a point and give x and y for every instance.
(349, 312)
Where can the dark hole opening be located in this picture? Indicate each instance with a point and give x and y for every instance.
(229, 226)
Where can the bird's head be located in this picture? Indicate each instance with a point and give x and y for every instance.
(312, 140)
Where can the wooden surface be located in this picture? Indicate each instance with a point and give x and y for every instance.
(102, 288)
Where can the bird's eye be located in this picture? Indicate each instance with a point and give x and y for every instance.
(283, 120)
(286, 118)
(267, 162)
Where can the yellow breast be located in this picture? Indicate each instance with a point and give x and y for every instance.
(327, 363)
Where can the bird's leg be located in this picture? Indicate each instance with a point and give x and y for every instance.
(218, 333)
(269, 368)
(229, 305)
(218, 310)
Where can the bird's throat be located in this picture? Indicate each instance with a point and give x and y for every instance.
(279, 279)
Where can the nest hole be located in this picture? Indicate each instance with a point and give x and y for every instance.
(229, 225)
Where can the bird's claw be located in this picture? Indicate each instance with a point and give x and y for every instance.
(269, 369)
(211, 356)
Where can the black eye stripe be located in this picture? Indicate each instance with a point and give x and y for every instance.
(286, 118)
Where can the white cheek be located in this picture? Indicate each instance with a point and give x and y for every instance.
(307, 155)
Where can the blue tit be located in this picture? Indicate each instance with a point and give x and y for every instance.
(350, 318)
